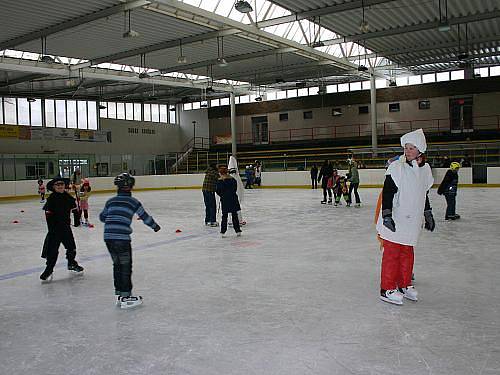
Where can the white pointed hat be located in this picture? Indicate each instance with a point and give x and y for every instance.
(416, 138)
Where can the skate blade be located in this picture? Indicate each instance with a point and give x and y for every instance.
(48, 280)
(73, 272)
(385, 299)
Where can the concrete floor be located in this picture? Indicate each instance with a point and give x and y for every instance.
(296, 294)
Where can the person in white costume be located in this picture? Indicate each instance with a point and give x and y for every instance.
(235, 172)
(405, 205)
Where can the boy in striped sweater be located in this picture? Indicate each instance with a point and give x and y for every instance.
(117, 217)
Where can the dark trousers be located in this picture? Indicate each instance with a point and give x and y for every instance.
(325, 190)
(451, 201)
(210, 206)
(258, 181)
(236, 222)
(51, 247)
(121, 254)
(314, 183)
(354, 186)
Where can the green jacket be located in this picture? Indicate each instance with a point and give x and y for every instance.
(353, 174)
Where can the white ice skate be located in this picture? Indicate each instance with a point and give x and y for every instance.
(410, 293)
(130, 302)
(392, 296)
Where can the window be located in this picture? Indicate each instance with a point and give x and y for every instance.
(92, 115)
(103, 112)
(424, 104)
(365, 85)
(495, 71)
(35, 170)
(394, 107)
(428, 78)
(129, 111)
(111, 110)
(60, 113)
(82, 114)
(137, 112)
(442, 76)
(50, 113)
(402, 81)
(271, 95)
(10, 111)
(308, 115)
(337, 112)
(1, 110)
(120, 111)
(380, 83)
(214, 103)
(172, 114)
(331, 88)
(155, 113)
(457, 74)
(291, 93)
(164, 113)
(244, 99)
(283, 116)
(314, 91)
(23, 111)
(224, 101)
(147, 111)
(355, 86)
(196, 105)
(302, 92)
(71, 114)
(362, 110)
(281, 95)
(414, 80)
(343, 87)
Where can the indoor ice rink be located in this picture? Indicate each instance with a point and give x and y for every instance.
(276, 111)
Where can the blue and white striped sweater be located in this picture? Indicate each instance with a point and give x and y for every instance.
(117, 216)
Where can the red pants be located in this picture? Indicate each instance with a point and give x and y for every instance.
(397, 266)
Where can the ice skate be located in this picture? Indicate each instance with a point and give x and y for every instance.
(329, 201)
(323, 202)
(238, 234)
(130, 302)
(453, 217)
(223, 235)
(336, 204)
(410, 293)
(456, 217)
(214, 224)
(392, 296)
(243, 223)
(75, 267)
(357, 205)
(47, 276)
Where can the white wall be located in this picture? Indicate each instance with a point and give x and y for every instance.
(368, 177)
(493, 175)
(186, 119)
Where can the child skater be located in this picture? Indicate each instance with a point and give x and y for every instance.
(341, 190)
(405, 205)
(84, 194)
(226, 190)
(58, 215)
(41, 190)
(448, 188)
(117, 217)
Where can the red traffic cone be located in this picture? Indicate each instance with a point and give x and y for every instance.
(178, 231)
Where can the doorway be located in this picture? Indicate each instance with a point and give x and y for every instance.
(260, 132)
(461, 115)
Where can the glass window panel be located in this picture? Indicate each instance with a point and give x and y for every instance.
(281, 95)
(495, 71)
(428, 78)
(329, 89)
(400, 81)
(36, 112)
(302, 92)
(355, 86)
(82, 114)
(111, 110)
(120, 111)
(173, 114)
(214, 103)
(92, 115)
(457, 74)
(188, 106)
(236, 100)
(414, 80)
(291, 93)
(9, 106)
(137, 111)
(71, 108)
(129, 111)
(164, 113)
(103, 112)
(155, 113)
(343, 87)
(380, 83)
(244, 99)
(23, 111)
(61, 113)
(224, 101)
(314, 90)
(271, 95)
(1, 110)
(50, 113)
(443, 76)
(196, 105)
(147, 112)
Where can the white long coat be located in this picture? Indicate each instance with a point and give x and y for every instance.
(408, 204)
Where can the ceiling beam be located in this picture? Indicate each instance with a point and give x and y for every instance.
(73, 23)
(344, 7)
(26, 78)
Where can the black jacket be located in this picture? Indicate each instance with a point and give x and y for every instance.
(449, 184)
(325, 173)
(314, 173)
(58, 211)
(226, 189)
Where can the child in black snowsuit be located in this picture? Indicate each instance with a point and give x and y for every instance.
(226, 190)
(448, 188)
(57, 213)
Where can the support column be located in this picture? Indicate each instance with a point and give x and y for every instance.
(233, 124)
(373, 112)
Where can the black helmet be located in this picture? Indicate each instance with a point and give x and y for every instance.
(124, 180)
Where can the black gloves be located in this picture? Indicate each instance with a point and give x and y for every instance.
(430, 224)
(156, 228)
(387, 220)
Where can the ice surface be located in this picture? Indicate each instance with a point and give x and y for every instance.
(296, 294)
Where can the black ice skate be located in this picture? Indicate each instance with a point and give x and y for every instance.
(46, 276)
(323, 202)
(75, 267)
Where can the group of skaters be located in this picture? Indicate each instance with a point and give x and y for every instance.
(336, 186)
(403, 209)
(253, 175)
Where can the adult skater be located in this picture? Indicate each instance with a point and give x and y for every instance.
(325, 173)
(235, 173)
(448, 188)
(404, 203)
(258, 173)
(353, 178)
(208, 190)
(117, 217)
(226, 189)
(58, 216)
(314, 177)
